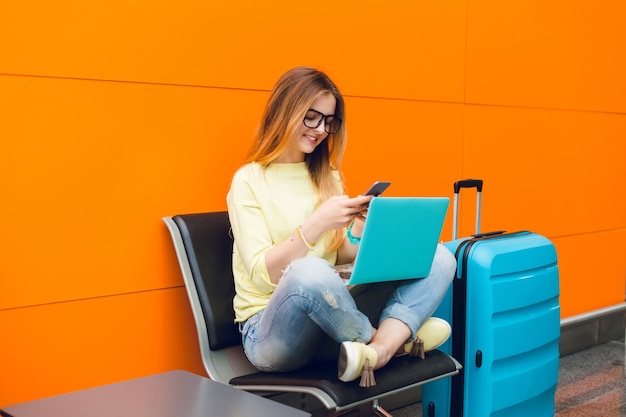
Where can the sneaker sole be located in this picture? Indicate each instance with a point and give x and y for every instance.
(348, 362)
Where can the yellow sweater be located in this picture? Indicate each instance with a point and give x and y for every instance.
(265, 206)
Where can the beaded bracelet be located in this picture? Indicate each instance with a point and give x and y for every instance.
(306, 242)
(353, 239)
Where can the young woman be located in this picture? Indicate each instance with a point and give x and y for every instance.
(292, 222)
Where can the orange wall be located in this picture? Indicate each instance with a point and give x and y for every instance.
(114, 114)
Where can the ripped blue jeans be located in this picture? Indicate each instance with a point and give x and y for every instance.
(312, 311)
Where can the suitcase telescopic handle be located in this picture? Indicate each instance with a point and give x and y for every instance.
(478, 184)
(468, 183)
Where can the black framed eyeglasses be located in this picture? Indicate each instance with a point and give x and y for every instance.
(313, 119)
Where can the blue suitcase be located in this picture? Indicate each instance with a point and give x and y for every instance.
(505, 315)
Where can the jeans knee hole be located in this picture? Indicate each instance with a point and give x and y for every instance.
(330, 299)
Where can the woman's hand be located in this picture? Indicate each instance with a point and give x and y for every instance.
(347, 251)
(337, 212)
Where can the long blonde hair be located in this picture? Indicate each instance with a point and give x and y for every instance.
(290, 99)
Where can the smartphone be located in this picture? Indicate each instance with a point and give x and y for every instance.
(377, 188)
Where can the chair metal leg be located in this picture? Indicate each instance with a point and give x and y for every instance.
(378, 410)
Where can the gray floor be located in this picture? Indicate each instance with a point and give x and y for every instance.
(591, 384)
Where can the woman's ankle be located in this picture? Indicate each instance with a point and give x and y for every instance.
(384, 355)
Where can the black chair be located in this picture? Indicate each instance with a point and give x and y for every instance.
(203, 245)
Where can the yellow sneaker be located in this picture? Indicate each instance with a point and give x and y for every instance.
(357, 359)
(433, 333)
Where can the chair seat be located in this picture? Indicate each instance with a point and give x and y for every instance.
(404, 371)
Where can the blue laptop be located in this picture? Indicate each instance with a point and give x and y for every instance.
(399, 239)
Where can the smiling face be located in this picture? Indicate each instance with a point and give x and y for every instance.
(307, 139)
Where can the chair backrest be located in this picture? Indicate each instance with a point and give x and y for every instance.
(209, 247)
(203, 245)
